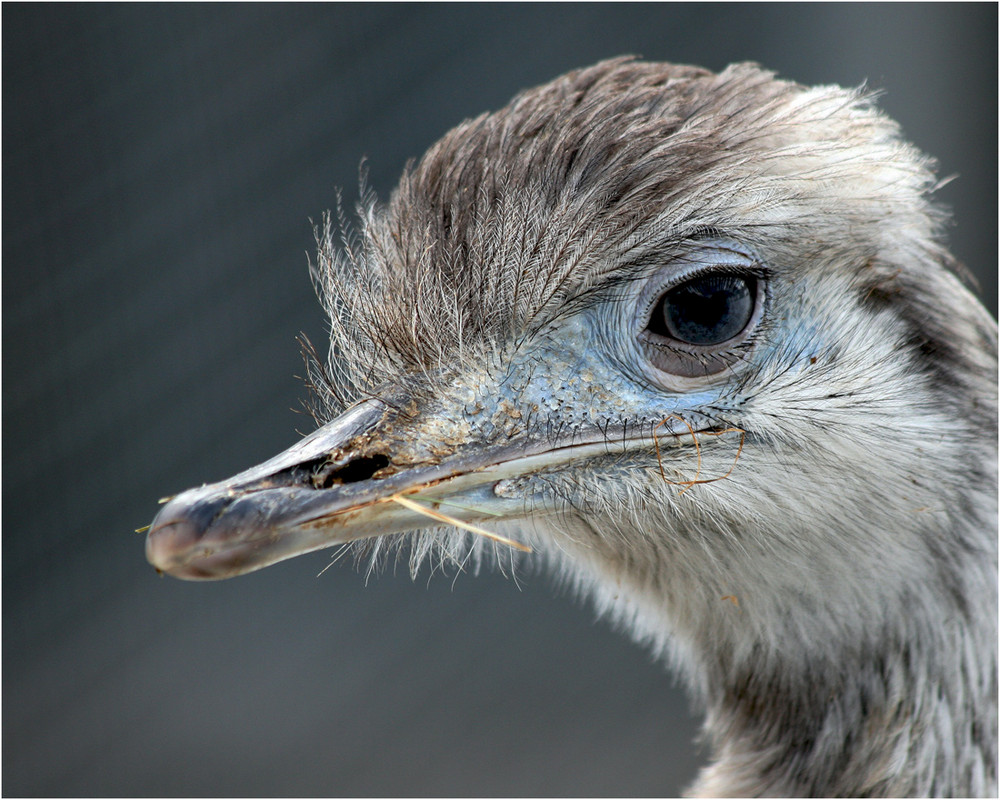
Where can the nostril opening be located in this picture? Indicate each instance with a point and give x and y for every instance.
(358, 469)
(362, 468)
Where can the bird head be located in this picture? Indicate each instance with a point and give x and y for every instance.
(694, 337)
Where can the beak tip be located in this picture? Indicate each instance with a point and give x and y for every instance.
(176, 539)
(170, 537)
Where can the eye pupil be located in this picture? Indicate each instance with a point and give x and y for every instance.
(706, 310)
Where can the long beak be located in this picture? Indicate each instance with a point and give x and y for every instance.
(338, 485)
(344, 482)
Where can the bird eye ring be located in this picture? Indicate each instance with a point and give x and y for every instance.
(702, 323)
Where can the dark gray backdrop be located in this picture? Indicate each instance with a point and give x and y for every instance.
(161, 164)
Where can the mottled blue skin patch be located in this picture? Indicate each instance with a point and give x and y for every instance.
(588, 370)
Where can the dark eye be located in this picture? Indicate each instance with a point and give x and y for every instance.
(706, 310)
(700, 314)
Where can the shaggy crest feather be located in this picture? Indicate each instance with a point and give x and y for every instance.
(798, 513)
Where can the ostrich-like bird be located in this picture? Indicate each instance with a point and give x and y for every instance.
(696, 340)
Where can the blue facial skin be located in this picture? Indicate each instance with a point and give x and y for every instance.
(590, 370)
(596, 369)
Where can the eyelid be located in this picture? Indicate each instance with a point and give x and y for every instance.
(691, 266)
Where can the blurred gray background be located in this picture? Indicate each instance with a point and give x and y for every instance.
(160, 168)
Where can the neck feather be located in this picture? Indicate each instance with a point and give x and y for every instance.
(815, 693)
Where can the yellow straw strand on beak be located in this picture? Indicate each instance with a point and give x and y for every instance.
(469, 508)
(433, 514)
